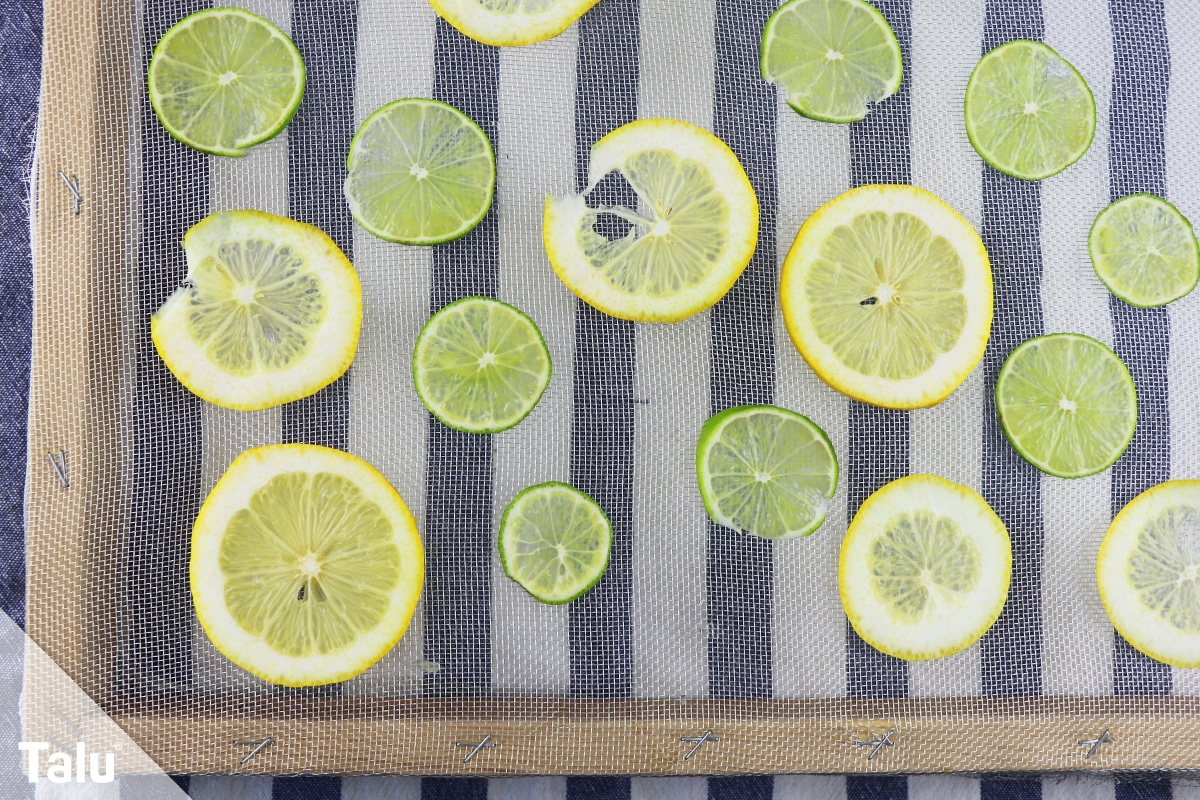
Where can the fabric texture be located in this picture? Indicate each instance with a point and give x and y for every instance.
(687, 608)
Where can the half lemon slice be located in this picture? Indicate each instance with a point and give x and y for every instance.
(511, 23)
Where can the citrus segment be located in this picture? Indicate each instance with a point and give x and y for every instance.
(924, 568)
(223, 80)
(1144, 251)
(887, 293)
(511, 23)
(1067, 404)
(306, 565)
(766, 471)
(555, 542)
(683, 252)
(480, 365)
(834, 57)
(269, 313)
(1029, 113)
(1147, 571)
(419, 172)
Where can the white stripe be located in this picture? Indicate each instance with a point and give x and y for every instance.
(379, 787)
(1077, 637)
(1183, 189)
(942, 787)
(808, 624)
(946, 440)
(229, 787)
(668, 789)
(531, 647)
(388, 424)
(809, 787)
(259, 180)
(1184, 788)
(1077, 787)
(669, 614)
(543, 788)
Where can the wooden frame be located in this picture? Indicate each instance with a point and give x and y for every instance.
(81, 261)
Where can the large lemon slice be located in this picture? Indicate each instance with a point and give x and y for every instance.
(687, 245)
(1148, 571)
(924, 569)
(887, 293)
(269, 313)
(306, 565)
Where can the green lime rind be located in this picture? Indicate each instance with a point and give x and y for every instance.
(751, 480)
(1001, 117)
(471, 396)
(397, 188)
(794, 54)
(1144, 251)
(1067, 404)
(540, 527)
(169, 65)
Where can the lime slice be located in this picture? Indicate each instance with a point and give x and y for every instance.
(1067, 404)
(1148, 571)
(510, 23)
(419, 172)
(269, 313)
(924, 568)
(1029, 113)
(887, 293)
(766, 471)
(480, 365)
(555, 542)
(223, 80)
(694, 236)
(306, 565)
(1144, 251)
(834, 57)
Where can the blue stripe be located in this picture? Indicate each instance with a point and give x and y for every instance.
(21, 63)
(876, 787)
(167, 445)
(1011, 659)
(599, 788)
(458, 527)
(879, 440)
(998, 788)
(1145, 786)
(316, 787)
(742, 369)
(325, 31)
(750, 787)
(605, 359)
(454, 789)
(1141, 337)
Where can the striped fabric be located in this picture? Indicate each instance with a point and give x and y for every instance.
(687, 608)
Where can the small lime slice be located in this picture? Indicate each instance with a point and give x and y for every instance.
(223, 80)
(766, 471)
(924, 569)
(1144, 251)
(1067, 404)
(480, 365)
(1148, 571)
(834, 57)
(1029, 113)
(419, 172)
(555, 542)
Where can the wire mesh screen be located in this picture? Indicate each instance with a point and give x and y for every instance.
(687, 609)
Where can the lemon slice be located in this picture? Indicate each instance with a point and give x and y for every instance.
(223, 80)
(693, 239)
(924, 568)
(269, 313)
(1148, 571)
(887, 293)
(306, 565)
(511, 23)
